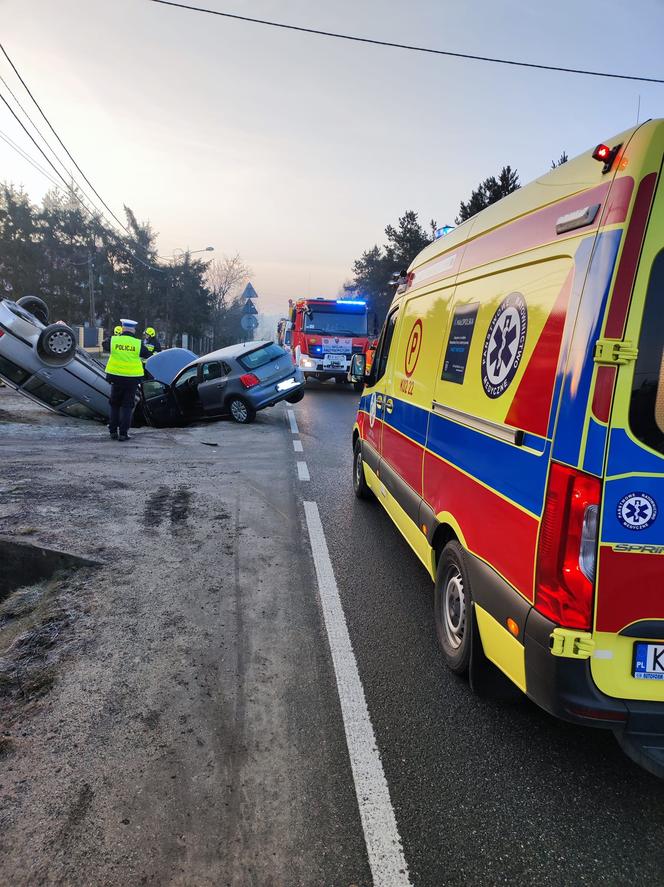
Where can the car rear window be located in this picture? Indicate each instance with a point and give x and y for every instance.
(45, 392)
(646, 409)
(261, 356)
(12, 372)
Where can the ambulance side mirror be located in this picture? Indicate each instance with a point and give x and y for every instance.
(288, 337)
(358, 366)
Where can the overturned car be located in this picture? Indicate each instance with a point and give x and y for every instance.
(43, 361)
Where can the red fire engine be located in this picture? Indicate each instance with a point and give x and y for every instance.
(323, 335)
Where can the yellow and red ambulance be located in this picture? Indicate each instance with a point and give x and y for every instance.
(512, 426)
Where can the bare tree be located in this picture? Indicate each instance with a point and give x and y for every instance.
(224, 278)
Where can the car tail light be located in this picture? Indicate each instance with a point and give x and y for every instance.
(2, 332)
(249, 380)
(567, 551)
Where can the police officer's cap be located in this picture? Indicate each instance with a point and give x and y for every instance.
(128, 324)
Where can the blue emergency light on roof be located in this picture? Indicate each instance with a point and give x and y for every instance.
(441, 232)
(349, 302)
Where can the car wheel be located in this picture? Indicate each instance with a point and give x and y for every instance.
(36, 306)
(56, 345)
(453, 608)
(297, 397)
(360, 486)
(241, 411)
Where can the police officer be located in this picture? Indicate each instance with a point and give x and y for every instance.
(151, 341)
(124, 371)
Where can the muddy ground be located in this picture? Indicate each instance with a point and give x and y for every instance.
(168, 716)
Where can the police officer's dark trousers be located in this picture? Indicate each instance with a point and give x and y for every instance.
(123, 395)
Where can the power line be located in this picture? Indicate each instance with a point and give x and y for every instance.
(26, 156)
(50, 126)
(69, 188)
(34, 125)
(373, 42)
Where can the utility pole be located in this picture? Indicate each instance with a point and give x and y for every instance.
(91, 285)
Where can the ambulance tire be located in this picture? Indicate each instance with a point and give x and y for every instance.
(359, 387)
(453, 612)
(360, 486)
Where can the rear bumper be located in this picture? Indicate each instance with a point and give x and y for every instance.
(562, 686)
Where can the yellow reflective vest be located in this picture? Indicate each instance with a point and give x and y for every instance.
(125, 359)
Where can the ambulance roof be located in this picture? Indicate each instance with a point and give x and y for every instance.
(572, 177)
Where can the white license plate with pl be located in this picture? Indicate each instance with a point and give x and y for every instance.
(333, 362)
(288, 383)
(649, 661)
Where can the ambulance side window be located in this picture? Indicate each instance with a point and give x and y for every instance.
(386, 342)
(646, 409)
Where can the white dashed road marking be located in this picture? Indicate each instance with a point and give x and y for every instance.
(293, 422)
(297, 446)
(303, 471)
(388, 864)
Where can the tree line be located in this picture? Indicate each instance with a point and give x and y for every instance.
(89, 272)
(375, 269)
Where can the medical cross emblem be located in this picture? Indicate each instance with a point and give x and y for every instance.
(637, 511)
(504, 344)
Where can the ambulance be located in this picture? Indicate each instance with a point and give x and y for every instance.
(512, 426)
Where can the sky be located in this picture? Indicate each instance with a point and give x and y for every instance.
(295, 150)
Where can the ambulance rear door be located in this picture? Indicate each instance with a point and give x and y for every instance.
(628, 658)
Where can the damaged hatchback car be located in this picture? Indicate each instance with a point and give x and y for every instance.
(236, 381)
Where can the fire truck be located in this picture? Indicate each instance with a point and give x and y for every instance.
(323, 334)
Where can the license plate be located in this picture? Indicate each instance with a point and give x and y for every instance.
(284, 386)
(334, 363)
(649, 661)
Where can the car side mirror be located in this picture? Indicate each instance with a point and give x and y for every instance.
(358, 366)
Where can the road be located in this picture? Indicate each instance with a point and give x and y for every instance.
(485, 792)
(208, 720)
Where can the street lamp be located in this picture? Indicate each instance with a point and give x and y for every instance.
(190, 252)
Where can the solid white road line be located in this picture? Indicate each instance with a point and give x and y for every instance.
(388, 864)
(303, 471)
(297, 446)
(293, 422)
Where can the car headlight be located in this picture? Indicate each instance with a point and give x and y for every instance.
(307, 363)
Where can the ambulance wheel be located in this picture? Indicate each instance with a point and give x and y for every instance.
(56, 345)
(360, 486)
(359, 387)
(452, 608)
(241, 411)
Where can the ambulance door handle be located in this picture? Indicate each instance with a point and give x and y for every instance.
(389, 404)
(379, 401)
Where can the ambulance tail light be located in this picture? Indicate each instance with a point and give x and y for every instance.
(249, 380)
(568, 548)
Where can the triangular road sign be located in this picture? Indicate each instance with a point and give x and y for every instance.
(249, 292)
(249, 308)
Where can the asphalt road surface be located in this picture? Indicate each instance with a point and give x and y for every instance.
(484, 791)
(248, 690)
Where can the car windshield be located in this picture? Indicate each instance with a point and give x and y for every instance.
(188, 374)
(339, 323)
(261, 356)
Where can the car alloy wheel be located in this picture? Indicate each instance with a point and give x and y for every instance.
(60, 342)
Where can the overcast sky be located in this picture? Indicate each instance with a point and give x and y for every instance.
(296, 150)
